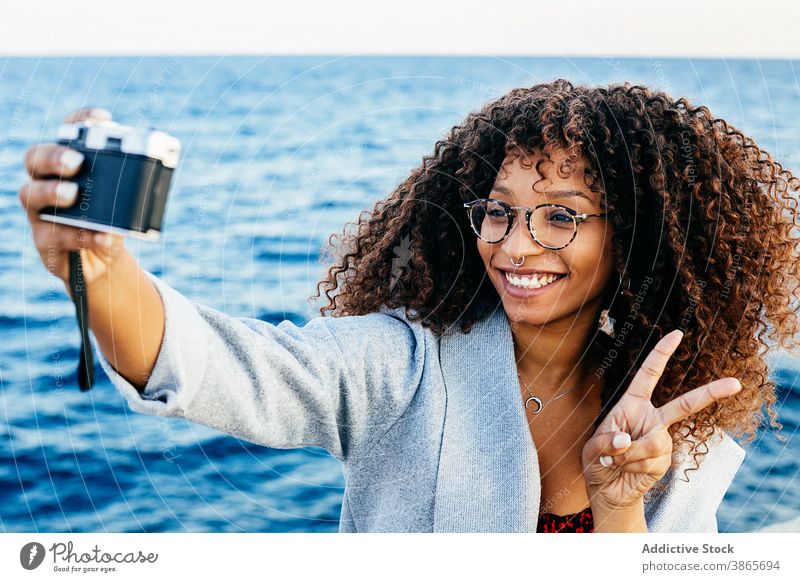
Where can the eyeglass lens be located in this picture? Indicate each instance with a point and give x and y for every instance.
(553, 226)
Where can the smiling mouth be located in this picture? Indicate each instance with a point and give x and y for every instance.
(534, 281)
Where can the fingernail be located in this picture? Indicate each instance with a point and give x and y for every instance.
(606, 461)
(673, 339)
(66, 192)
(71, 159)
(103, 238)
(100, 113)
(621, 439)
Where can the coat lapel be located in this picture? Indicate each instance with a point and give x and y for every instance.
(488, 476)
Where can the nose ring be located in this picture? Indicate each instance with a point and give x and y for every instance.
(521, 260)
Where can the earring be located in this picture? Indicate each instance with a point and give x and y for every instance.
(606, 323)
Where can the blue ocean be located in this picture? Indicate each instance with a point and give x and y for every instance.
(278, 154)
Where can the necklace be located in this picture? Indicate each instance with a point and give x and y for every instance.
(538, 400)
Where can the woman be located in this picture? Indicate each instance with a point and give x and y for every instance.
(505, 353)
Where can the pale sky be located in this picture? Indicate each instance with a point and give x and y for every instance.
(679, 28)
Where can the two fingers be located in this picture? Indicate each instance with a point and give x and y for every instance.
(651, 453)
(38, 194)
(57, 160)
(48, 160)
(50, 167)
(687, 404)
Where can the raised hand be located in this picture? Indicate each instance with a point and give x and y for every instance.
(53, 241)
(632, 449)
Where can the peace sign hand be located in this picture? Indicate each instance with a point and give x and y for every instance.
(631, 449)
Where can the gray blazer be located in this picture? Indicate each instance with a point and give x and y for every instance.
(431, 431)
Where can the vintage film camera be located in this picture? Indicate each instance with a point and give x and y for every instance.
(124, 180)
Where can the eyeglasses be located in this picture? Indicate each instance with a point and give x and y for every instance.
(552, 226)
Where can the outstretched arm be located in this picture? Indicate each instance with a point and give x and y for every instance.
(336, 382)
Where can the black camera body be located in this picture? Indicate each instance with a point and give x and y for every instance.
(124, 180)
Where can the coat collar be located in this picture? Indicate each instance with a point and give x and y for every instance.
(488, 477)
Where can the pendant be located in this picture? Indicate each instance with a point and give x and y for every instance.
(538, 402)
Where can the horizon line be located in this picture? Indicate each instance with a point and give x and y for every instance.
(665, 56)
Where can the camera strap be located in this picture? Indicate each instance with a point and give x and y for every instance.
(79, 298)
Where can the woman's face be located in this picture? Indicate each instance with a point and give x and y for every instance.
(583, 268)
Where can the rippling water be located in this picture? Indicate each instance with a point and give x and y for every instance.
(278, 154)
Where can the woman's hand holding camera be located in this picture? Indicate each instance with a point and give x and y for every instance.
(126, 313)
(43, 162)
(631, 449)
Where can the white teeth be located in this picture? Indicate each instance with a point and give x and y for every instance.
(532, 282)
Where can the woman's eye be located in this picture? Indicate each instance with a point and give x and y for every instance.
(560, 216)
(494, 210)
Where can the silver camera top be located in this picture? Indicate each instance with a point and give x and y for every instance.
(113, 136)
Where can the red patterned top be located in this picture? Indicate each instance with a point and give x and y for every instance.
(580, 522)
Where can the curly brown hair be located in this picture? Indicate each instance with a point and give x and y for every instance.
(705, 240)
